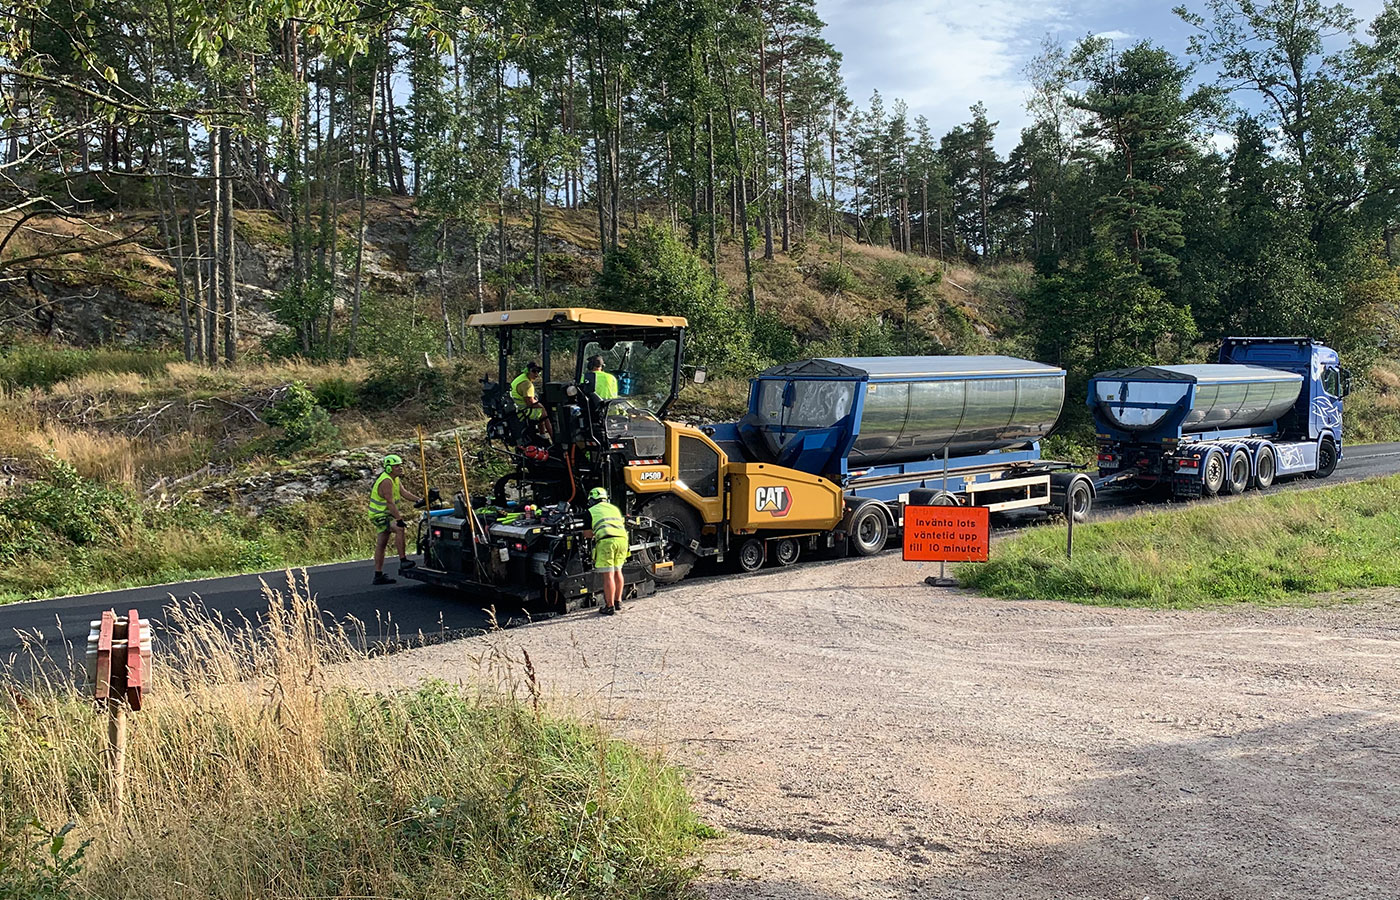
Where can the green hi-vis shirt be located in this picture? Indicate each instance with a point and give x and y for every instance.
(604, 385)
(607, 521)
(378, 506)
(522, 391)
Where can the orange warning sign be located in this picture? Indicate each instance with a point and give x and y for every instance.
(946, 533)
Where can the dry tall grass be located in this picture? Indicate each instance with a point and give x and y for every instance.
(252, 773)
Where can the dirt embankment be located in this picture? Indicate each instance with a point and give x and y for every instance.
(857, 734)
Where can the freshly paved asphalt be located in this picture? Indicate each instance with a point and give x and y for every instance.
(408, 611)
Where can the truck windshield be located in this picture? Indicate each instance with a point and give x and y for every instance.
(644, 374)
(797, 404)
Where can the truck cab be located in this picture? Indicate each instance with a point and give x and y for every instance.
(1318, 412)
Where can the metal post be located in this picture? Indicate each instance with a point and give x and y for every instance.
(1069, 522)
(942, 564)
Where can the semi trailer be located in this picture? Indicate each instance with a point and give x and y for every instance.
(1269, 408)
(827, 456)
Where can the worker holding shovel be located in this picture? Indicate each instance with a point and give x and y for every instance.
(387, 517)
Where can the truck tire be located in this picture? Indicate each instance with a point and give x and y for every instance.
(751, 556)
(1326, 459)
(1080, 498)
(680, 527)
(1213, 473)
(1265, 468)
(786, 551)
(868, 528)
(932, 497)
(1237, 472)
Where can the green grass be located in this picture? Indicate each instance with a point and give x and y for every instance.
(43, 366)
(1282, 548)
(69, 535)
(308, 787)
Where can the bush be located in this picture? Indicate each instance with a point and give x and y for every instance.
(304, 424)
(63, 507)
(835, 278)
(335, 394)
(657, 274)
(400, 380)
(36, 863)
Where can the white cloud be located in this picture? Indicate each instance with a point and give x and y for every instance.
(941, 57)
(1114, 35)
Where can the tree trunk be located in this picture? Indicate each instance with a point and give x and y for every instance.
(743, 205)
(442, 287)
(362, 187)
(230, 252)
(216, 254)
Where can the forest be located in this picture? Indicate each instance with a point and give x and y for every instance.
(1249, 186)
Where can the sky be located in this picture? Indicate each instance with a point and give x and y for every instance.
(941, 56)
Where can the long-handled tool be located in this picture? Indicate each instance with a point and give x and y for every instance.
(423, 464)
(467, 498)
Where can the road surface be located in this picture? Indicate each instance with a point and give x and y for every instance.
(407, 609)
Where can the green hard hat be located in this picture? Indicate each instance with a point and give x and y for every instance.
(597, 494)
(393, 459)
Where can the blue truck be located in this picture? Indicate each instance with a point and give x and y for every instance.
(1270, 407)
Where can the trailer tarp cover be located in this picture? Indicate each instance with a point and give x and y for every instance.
(1193, 398)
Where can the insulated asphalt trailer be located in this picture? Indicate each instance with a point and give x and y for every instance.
(1271, 407)
(895, 431)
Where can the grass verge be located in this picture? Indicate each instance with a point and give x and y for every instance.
(66, 534)
(1280, 548)
(252, 772)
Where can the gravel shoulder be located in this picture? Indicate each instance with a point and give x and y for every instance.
(857, 734)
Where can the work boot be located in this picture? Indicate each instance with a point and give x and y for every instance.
(606, 611)
(381, 578)
(406, 563)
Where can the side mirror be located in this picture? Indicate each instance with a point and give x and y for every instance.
(1346, 382)
(699, 376)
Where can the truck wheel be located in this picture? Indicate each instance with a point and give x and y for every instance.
(1081, 499)
(1237, 472)
(1265, 468)
(868, 529)
(680, 526)
(751, 555)
(1213, 477)
(787, 551)
(1326, 459)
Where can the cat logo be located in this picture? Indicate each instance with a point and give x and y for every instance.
(773, 499)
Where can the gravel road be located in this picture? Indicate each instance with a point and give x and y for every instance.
(856, 734)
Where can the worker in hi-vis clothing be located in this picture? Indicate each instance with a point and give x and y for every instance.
(527, 405)
(603, 384)
(386, 515)
(608, 530)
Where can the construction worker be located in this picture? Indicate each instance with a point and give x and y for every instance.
(387, 516)
(608, 530)
(527, 405)
(602, 384)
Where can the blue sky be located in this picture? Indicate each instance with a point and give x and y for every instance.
(941, 56)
